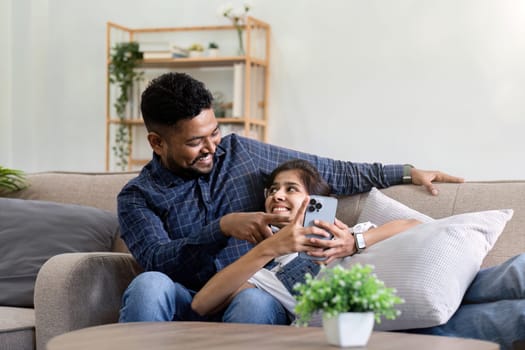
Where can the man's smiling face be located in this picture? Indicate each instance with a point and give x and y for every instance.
(189, 146)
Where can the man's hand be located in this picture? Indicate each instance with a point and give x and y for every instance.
(251, 227)
(426, 177)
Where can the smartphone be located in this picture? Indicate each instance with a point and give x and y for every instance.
(319, 208)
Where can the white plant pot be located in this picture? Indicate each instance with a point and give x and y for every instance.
(349, 328)
(194, 53)
(213, 52)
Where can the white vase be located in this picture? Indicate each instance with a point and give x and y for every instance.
(195, 53)
(349, 328)
(213, 52)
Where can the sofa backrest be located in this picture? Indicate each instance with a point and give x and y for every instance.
(100, 190)
(457, 199)
(91, 189)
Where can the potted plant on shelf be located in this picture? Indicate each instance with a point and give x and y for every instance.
(349, 299)
(125, 58)
(213, 49)
(12, 180)
(196, 50)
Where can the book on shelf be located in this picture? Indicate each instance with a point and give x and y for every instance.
(178, 51)
(151, 55)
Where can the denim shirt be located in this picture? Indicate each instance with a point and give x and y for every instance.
(171, 224)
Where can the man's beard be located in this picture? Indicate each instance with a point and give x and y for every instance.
(191, 171)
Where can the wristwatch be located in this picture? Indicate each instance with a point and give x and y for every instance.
(407, 173)
(357, 232)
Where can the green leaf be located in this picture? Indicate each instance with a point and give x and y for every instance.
(12, 179)
(338, 290)
(125, 58)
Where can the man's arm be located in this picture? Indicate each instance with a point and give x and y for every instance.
(344, 177)
(187, 259)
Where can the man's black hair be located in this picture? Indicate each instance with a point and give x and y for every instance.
(172, 97)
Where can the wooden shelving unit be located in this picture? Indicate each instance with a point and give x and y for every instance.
(250, 69)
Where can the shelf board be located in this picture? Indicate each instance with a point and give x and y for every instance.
(220, 120)
(199, 62)
(257, 122)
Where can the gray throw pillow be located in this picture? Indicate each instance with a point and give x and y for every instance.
(32, 231)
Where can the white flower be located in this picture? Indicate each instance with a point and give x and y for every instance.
(224, 10)
(248, 5)
(237, 14)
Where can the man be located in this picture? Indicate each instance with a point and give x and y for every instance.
(198, 205)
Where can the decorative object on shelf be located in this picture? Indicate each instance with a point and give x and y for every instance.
(213, 49)
(178, 52)
(196, 50)
(238, 18)
(125, 58)
(12, 179)
(218, 104)
(339, 293)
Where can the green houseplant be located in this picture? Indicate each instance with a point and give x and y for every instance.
(337, 291)
(125, 59)
(213, 49)
(12, 179)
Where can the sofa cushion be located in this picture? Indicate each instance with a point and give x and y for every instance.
(33, 231)
(17, 328)
(432, 264)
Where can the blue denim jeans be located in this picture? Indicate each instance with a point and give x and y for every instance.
(294, 272)
(493, 307)
(153, 296)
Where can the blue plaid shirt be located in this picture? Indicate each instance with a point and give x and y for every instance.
(171, 224)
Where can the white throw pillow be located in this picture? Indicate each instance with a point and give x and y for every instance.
(380, 209)
(432, 264)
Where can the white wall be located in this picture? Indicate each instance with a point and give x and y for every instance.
(5, 83)
(440, 84)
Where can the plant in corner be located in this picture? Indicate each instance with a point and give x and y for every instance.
(12, 179)
(338, 291)
(125, 57)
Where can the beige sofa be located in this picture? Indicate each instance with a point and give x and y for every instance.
(77, 290)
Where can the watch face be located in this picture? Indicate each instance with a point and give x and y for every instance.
(360, 241)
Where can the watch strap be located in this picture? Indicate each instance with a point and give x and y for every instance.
(360, 243)
(407, 173)
(357, 231)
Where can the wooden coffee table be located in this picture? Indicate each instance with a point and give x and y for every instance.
(229, 336)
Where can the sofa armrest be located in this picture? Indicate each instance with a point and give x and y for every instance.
(78, 290)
